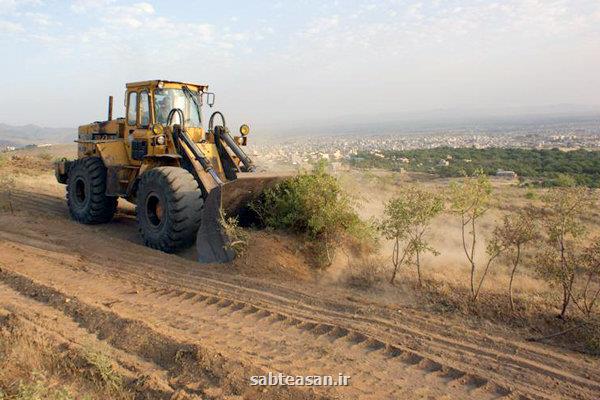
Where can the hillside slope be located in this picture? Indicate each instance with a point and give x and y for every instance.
(204, 330)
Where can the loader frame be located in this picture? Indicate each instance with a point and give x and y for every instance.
(140, 142)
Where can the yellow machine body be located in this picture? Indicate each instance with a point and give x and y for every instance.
(129, 147)
(155, 134)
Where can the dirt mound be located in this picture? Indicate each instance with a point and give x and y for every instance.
(275, 255)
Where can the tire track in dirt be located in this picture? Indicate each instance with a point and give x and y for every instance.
(37, 202)
(431, 340)
(200, 366)
(255, 335)
(180, 297)
(23, 314)
(224, 308)
(126, 275)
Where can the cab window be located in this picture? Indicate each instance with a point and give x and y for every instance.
(189, 102)
(144, 109)
(131, 108)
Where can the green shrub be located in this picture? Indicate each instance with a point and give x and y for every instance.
(101, 370)
(315, 205)
(561, 180)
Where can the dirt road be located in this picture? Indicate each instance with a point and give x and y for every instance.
(202, 332)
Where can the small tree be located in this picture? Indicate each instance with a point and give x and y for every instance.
(560, 254)
(470, 201)
(406, 220)
(589, 268)
(516, 231)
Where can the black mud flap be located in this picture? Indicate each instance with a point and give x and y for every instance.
(212, 244)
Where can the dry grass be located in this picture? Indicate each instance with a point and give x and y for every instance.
(54, 151)
(7, 186)
(534, 317)
(446, 287)
(100, 370)
(34, 367)
(35, 161)
(237, 235)
(45, 156)
(364, 273)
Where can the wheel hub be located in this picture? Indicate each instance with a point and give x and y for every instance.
(154, 209)
(80, 191)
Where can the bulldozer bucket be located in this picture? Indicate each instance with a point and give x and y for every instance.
(248, 186)
(212, 244)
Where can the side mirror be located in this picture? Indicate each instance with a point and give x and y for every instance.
(210, 99)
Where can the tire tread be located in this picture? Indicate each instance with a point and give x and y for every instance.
(101, 207)
(184, 204)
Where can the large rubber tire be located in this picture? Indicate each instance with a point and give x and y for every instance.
(168, 209)
(86, 188)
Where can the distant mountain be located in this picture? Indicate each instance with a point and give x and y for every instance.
(476, 119)
(11, 135)
(487, 120)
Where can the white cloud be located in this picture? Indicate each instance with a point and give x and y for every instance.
(7, 6)
(44, 38)
(41, 19)
(407, 26)
(9, 27)
(142, 8)
(82, 6)
(322, 25)
(11, 6)
(118, 17)
(127, 21)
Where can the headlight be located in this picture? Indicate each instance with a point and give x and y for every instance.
(157, 129)
(244, 130)
(160, 140)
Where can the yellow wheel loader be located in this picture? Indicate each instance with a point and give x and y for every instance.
(180, 176)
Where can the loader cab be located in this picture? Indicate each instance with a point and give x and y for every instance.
(150, 102)
(148, 105)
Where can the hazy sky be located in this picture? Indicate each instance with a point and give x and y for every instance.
(298, 60)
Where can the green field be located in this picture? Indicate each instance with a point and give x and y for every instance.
(547, 167)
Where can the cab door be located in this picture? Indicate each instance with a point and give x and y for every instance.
(138, 125)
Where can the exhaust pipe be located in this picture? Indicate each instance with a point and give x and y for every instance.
(110, 107)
